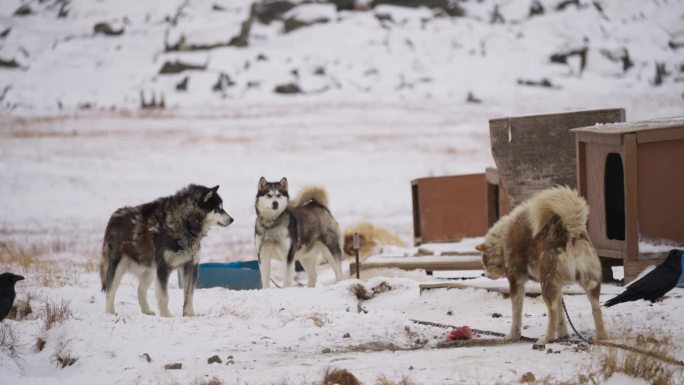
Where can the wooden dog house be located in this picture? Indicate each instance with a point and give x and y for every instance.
(536, 152)
(632, 175)
(449, 208)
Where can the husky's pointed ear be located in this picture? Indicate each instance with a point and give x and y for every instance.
(209, 194)
(283, 183)
(262, 183)
(480, 247)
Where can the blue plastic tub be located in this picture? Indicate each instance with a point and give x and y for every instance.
(242, 275)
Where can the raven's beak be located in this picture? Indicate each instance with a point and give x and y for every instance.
(19, 278)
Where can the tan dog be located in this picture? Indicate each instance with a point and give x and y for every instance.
(372, 239)
(545, 239)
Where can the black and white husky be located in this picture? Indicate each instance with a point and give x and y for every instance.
(157, 237)
(300, 229)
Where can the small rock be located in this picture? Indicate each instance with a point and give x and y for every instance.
(326, 350)
(527, 377)
(173, 366)
(40, 344)
(497, 315)
(539, 347)
(214, 360)
(549, 351)
(425, 252)
(449, 312)
(346, 335)
(146, 357)
(289, 88)
(411, 367)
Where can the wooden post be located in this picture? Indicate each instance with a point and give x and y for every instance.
(356, 245)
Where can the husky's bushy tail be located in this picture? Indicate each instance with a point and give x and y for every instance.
(310, 193)
(109, 261)
(558, 210)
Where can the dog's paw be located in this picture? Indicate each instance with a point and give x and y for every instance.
(188, 313)
(543, 340)
(512, 336)
(601, 336)
(149, 312)
(165, 313)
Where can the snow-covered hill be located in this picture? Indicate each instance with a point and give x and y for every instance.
(83, 54)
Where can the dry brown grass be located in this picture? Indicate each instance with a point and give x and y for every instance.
(63, 356)
(22, 307)
(56, 313)
(643, 366)
(31, 261)
(318, 319)
(382, 380)
(614, 360)
(20, 256)
(9, 342)
(211, 381)
(360, 291)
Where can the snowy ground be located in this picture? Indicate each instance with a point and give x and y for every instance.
(64, 176)
(360, 130)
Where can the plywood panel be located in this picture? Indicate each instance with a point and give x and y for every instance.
(661, 190)
(449, 208)
(533, 153)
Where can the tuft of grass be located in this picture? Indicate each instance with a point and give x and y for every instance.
(56, 313)
(382, 380)
(63, 356)
(211, 381)
(339, 377)
(642, 366)
(363, 294)
(24, 257)
(22, 307)
(360, 291)
(9, 341)
(318, 319)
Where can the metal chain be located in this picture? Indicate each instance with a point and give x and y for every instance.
(478, 331)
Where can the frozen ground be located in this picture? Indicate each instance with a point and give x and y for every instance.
(64, 171)
(62, 177)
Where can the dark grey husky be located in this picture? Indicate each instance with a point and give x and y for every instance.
(157, 237)
(302, 228)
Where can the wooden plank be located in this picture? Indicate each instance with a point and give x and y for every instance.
(425, 263)
(597, 138)
(660, 135)
(631, 198)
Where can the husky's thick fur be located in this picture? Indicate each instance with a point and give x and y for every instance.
(545, 239)
(299, 229)
(153, 239)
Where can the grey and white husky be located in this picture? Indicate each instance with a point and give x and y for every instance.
(300, 229)
(153, 239)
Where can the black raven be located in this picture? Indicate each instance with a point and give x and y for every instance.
(656, 283)
(7, 294)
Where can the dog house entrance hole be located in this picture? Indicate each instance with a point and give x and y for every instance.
(417, 232)
(615, 197)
